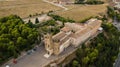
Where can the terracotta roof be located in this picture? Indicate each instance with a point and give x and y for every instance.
(80, 33)
(81, 24)
(75, 26)
(94, 23)
(91, 24)
(58, 36)
(65, 29)
(64, 0)
(65, 39)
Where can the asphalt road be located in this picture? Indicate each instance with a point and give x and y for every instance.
(116, 24)
(117, 62)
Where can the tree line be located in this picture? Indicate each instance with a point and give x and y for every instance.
(91, 2)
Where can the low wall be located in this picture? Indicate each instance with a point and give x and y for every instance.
(63, 60)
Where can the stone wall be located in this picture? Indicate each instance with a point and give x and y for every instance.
(62, 60)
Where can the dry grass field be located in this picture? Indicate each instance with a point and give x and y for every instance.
(80, 12)
(24, 8)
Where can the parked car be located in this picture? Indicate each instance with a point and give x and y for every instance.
(29, 52)
(7, 65)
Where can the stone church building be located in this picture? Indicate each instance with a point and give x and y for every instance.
(71, 34)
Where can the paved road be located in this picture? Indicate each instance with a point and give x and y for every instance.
(117, 62)
(116, 24)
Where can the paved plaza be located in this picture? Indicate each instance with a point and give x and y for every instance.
(37, 59)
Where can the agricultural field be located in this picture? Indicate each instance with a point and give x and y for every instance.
(24, 8)
(80, 12)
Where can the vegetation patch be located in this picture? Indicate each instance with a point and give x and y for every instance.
(91, 2)
(59, 18)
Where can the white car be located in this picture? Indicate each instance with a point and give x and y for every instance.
(7, 66)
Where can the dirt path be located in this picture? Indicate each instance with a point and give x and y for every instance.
(59, 5)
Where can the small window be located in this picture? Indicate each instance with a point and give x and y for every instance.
(48, 46)
(58, 48)
(48, 52)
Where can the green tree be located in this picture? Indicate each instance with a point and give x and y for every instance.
(75, 63)
(93, 55)
(79, 1)
(36, 20)
(85, 60)
(30, 24)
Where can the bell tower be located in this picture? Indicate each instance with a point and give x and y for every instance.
(48, 44)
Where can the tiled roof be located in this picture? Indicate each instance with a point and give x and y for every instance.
(66, 33)
(58, 36)
(64, 0)
(94, 23)
(90, 25)
(65, 29)
(80, 33)
(65, 38)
